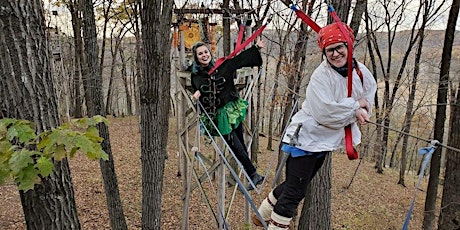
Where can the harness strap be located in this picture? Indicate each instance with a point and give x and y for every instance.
(238, 48)
(240, 36)
(305, 18)
(351, 151)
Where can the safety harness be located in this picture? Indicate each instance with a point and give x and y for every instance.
(351, 151)
(239, 46)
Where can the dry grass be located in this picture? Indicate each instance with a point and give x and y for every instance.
(374, 201)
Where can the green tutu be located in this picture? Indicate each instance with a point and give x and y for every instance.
(226, 118)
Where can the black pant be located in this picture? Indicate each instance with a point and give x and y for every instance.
(299, 172)
(236, 142)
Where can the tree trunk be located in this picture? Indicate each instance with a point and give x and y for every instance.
(75, 10)
(450, 206)
(447, 212)
(374, 73)
(410, 101)
(126, 83)
(273, 102)
(96, 107)
(105, 12)
(139, 61)
(155, 87)
(316, 212)
(109, 99)
(28, 93)
(360, 7)
(392, 21)
(226, 28)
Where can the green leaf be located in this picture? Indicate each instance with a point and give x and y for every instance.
(6, 122)
(21, 129)
(93, 121)
(59, 152)
(20, 160)
(98, 153)
(45, 141)
(98, 119)
(73, 151)
(27, 178)
(84, 144)
(4, 172)
(93, 134)
(5, 146)
(3, 129)
(25, 132)
(44, 166)
(12, 133)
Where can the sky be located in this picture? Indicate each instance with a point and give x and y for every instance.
(63, 19)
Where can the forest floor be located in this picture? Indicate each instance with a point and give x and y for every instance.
(373, 201)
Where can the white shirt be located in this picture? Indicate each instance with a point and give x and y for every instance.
(327, 109)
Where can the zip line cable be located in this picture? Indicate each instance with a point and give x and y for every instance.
(416, 137)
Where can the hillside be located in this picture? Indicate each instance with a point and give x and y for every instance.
(373, 201)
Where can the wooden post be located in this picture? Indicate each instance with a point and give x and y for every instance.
(221, 192)
(182, 138)
(213, 38)
(248, 30)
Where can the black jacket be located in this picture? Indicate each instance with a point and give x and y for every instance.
(219, 88)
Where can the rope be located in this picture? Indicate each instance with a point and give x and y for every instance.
(428, 152)
(416, 137)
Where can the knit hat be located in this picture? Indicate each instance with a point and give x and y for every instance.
(332, 34)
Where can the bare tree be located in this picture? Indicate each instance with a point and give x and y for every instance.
(27, 92)
(450, 206)
(126, 81)
(155, 87)
(114, 49)
(283, 36)
(106, 9)
(133, 14)
(96, 107)
(74, 7)
(427, 6)
(392, 20)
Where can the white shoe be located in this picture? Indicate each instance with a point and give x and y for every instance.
(265, 209)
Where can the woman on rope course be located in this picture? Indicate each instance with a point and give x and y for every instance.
(217, 93)
(318, 127)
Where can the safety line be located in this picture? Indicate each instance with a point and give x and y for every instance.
(428, 152)
(416, 137)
